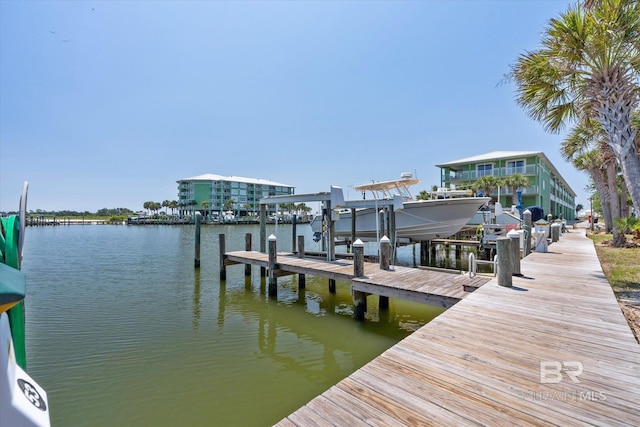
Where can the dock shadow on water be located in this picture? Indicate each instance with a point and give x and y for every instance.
(122, 330)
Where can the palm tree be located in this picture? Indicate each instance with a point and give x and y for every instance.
(165, 205)
(586, 148)
(148, 206)
(228, 205)
(515, 181)
(423, 195)
(588, 66)
(304, 209)
(173, 205)
(247, 208)
(487, 184)
(205, 205)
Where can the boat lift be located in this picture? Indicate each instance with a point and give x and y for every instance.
(333, 201)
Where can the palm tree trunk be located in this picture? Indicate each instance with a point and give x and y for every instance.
(600, 182)
(614, 112)
(614, 204)
(624, 208)
(630, 165)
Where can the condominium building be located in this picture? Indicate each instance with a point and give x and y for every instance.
(547, 188)
(219, 193)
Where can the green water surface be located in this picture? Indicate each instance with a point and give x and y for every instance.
(123, 331)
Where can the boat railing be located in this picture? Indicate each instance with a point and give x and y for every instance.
(473, 264)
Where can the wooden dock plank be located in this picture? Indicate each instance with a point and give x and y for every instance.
(479, 362)
(369, 415)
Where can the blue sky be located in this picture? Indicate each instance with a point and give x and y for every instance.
(107, 104)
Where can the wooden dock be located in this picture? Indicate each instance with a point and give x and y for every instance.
(442, 289)
(553, 350)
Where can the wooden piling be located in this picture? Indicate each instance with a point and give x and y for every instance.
(302, 281)
(503, 247)
(247, 247)
(263, 235)
(353, 227)
(221, 251)
(359, 305)
(385, 253)
(527, 227)
(424, 252)
(273, 281)
(332, 286)
(359, 297)
(196, 261)
(358, 258)
(515, 252)
(555, 231)
(301, 246)
(294, 222)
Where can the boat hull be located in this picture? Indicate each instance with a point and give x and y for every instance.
(419, 220)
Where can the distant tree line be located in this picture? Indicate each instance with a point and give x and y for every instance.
(68, 213)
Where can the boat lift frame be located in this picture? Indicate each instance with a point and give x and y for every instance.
(331, 200)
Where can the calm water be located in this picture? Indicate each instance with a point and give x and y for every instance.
(122, 331)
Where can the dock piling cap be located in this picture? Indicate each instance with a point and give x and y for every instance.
(358, 243)
(541, 222)
(271, 238)
(513, 234)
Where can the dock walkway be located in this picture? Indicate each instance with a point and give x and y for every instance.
(553, 350)
(442, 289)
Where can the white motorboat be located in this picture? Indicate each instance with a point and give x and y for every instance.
(415, 220)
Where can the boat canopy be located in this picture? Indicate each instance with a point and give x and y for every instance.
(389, 188)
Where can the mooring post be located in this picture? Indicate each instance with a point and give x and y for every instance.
(301, 246)
(359, 298)
(353, 229)
(358, 258)
(247, 247)
(385, 257)
(301, 277)
(385, 252)
(223, 267)
(263, 235)
(515, 252)
(273, 281)
(555, 231)
(424, 252)
(196, 262)
(527, 227)
(503, 247)
(294, 222)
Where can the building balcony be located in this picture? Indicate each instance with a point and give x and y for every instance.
(459, 176)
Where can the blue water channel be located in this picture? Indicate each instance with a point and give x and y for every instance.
(123, 331)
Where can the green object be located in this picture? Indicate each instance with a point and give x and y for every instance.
(12, 286)
(10, 256)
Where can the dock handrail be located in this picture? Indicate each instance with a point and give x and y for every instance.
(473, 264)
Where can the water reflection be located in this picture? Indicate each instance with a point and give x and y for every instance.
(225, 354)
(196, 299)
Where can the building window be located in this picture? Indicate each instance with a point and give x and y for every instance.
(484, 170)
(515, 166)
